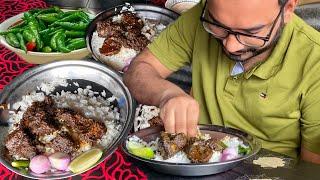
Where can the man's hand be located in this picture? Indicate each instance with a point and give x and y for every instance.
(180, 113)
(309, 156)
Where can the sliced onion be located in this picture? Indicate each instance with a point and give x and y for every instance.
(227, 157)
(59, 160)
(40, 164)
(230, 150)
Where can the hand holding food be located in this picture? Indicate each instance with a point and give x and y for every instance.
(180, 114)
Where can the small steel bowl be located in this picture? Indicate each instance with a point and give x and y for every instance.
(195, 169)
(85, 73)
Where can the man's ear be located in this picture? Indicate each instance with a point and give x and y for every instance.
(288, 10)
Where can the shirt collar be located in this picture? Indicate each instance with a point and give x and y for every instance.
(270, 66)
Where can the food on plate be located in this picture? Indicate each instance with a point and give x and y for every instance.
(85, 160)
(59, 160)
(178, 148)
(140, 150)
(56, 129)
(155, 121)
(146, 116)
(121, 37)
(20, 163)
(40, 164)
(49, 30)
(170, 144)
(201, 150)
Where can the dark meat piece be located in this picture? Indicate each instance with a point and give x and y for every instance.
(110, 47)
(39, 124)
(215, 144)
(18, 143)
(37, 118)
(200, 150)
(170, 144)
(108, 29)
(125, 33)
(155, 121)
(63, 143)
(137, 43)
(88, 130)
(132, 23)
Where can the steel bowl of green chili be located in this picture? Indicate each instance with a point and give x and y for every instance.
(39, 36)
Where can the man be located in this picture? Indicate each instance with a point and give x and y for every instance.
(255, 67)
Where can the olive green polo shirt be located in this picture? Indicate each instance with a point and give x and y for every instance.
(278, 100)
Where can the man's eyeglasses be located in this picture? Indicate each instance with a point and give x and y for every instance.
(246, 39)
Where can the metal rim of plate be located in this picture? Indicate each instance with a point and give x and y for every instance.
(6, 93)
(197, 169)
(138, 8)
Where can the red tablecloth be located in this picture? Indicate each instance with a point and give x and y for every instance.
(114, 167)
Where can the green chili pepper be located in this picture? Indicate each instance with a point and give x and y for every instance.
(73, 26)
(32, 11)
(42, 25)
(20, 163)
(49, 30)
(67, 13)
(84, 17)
(61, 43)
(30, 18)
(20, 25)
(75, 34)
(49, 18)
(12, 40)
(46, 39)
(22, 43)
(28, 35)
(55, 32)
(68, 18)
(48, 10)
(81, 43)
(70, 40)
(53, 42)
(14, 31)
(46, 49)
(36, 34)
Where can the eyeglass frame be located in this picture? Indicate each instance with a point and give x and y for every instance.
(236, 34)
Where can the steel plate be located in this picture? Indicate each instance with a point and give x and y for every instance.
(195, 169)
(85, 73)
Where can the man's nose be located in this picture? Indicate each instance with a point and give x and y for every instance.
(232, 44)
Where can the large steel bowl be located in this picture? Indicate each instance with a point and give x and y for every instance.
(151, 12)
(195, 169)
(95, 74)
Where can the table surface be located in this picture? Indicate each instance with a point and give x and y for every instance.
(118, 165)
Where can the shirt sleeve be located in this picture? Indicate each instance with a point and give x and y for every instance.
(174, 46)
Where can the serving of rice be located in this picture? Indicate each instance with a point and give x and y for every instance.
(181, 156)
(90, 104)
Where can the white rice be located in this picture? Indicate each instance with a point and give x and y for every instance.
(181, 157)
(143, 114)
(123, 58)
(84, 102)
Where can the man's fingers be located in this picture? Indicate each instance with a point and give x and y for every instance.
(192, 116)
(168, 120)
(181, 121)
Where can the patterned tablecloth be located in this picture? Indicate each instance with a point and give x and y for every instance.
(114, 167)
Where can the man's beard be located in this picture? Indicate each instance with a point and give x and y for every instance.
(254, 52)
